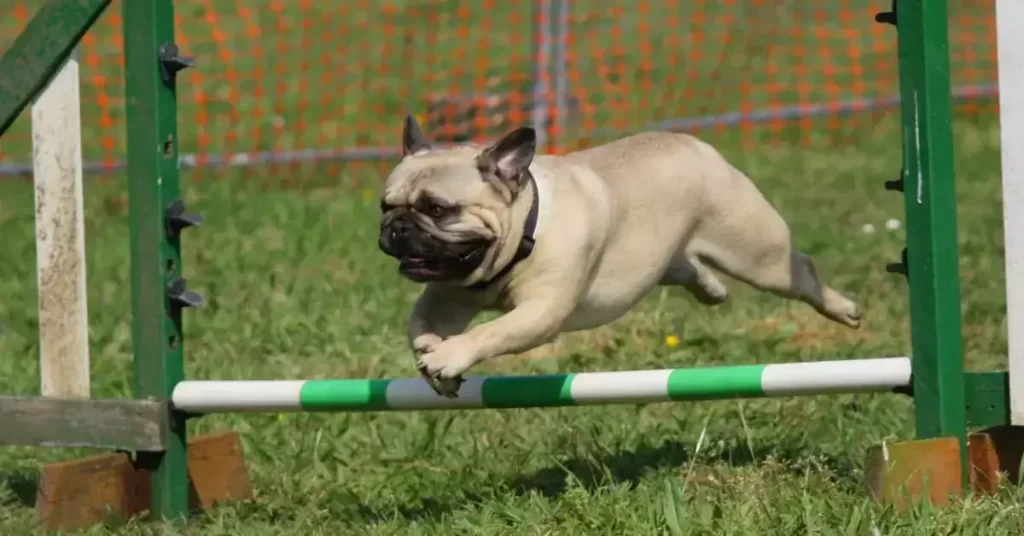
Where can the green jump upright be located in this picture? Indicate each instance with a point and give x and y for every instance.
(931, 257)
(156, 216)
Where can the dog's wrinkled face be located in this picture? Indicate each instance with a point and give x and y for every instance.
(446, 212)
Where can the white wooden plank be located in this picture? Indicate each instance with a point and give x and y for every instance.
(60, 237)
(1009, 29)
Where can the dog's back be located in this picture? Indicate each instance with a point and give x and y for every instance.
(664, 185)
(660, 170)
(672, 197)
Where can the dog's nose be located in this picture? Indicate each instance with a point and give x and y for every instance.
(397, 230)
(392, 237)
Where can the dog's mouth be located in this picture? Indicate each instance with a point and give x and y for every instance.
(424, 269)
(420, 269)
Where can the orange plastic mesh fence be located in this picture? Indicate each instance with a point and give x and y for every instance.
(286, 81)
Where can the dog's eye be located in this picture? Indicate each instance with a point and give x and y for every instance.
(436, 211)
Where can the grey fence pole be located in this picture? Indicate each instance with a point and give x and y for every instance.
(561, 42)
(541, 53)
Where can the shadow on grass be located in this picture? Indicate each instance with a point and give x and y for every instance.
(21, 486)
(624, 467)
(628, 467)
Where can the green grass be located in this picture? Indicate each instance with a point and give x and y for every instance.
(296, 289)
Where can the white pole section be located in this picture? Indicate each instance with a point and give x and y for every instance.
(60, 237)
(1009, 29)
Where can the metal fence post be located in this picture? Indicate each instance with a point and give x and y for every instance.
(930, 204)
(156, 217)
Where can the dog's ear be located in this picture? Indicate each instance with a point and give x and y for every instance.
(507, 160)
(413, 140)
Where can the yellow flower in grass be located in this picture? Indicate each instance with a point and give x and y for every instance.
(671, 341)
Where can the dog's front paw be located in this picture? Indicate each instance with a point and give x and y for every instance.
(444, 363)
(425, 344)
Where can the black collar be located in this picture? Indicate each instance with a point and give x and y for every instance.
(525, 243)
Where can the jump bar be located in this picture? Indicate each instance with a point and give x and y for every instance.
(548, 390)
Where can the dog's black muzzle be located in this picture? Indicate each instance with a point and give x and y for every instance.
(395, 237)
(423, 257)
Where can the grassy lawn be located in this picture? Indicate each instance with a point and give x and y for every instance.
(296, 289)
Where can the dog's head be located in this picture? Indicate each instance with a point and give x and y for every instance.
(447, 212)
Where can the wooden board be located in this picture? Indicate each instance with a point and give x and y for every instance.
(78, 493)
(108, 488)
(114, 424)
(907, 472)
(996, 457)
(216, 467)
(60, 237)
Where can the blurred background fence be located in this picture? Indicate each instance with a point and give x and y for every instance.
(286, 83)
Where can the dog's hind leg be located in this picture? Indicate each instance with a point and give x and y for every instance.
(689, 273)
(766, 259)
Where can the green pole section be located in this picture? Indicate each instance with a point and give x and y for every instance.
(717, 383)
(930, 201)
(328, 395)
(543, 390)
(152, 166)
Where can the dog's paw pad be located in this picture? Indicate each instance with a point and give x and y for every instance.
(446, 387)
(425, 343)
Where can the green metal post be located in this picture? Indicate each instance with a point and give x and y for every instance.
(153, 190)
(930, 201)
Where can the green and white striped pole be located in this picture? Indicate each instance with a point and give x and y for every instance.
(550, 390)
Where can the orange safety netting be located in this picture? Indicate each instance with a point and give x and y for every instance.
(288, 81)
